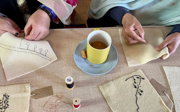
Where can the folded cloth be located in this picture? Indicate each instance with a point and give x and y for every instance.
(141, 53)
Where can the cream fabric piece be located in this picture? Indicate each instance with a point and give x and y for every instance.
(139, 54)
(133, 93)
(61, 8)
(15, 98)
(173, 76)
(20, 56)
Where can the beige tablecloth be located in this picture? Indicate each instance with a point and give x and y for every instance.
(64, 42)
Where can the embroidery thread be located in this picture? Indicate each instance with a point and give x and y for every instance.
(137, 79)
(26, 47)
(4, 102)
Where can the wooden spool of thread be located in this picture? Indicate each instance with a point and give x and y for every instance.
(76, 103)
(69, 82)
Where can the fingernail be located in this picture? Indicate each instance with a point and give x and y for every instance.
(143, 41)
(16, 34)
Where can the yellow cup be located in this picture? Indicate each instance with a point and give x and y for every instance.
(98, 46)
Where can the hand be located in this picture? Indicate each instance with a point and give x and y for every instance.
(7, 25)
(37, 26)
(132, 29)
(172, 42)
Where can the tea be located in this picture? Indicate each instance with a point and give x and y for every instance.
(98, 45)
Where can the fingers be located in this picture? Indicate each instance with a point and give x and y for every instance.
(2, 31)
(136, 33)
(129, 40)
(27, 29)
(11, 29)
(140, 31)
(14, 25)
(35, 33)
(39, 37)
(137, 36)
(30, 32)
(42, 34)
(172, 48)
(32, 35)
(163, 44)
(7, 25)
(171, 42)
(133, 37)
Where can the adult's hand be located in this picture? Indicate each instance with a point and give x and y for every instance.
(132, 29)
(8, 25)
(172, 42)
(37, 26)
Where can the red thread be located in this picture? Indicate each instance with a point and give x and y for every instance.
(77, 106)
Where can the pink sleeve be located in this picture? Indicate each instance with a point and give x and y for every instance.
(72, 2)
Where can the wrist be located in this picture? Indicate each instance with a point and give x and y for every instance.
(50, 13)
(43, 14)
(125, 17)
(177, 34)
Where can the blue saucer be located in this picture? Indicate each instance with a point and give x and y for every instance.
(95, 69)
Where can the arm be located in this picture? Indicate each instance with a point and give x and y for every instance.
(117, 13)
(175, 29)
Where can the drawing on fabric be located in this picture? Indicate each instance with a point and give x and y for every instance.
(4, 103)
(137, 79)
(56, 103)
(27, 47)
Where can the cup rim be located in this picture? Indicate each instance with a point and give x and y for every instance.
(105, 35)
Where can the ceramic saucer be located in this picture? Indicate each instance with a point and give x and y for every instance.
(95, 69)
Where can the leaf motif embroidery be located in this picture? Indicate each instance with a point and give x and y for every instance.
(137, 79)
(4, 102)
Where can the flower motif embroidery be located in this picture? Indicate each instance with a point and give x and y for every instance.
(137, 80)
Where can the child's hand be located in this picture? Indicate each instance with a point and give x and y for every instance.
(132, 29)
(172, 42)
(37, 26)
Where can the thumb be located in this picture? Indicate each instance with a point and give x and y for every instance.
(27, 29)
(162, 45)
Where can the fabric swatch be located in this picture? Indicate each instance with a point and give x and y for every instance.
(20, 56)
(133, 93)
(173, 76)
(138, 54)
(15, 98)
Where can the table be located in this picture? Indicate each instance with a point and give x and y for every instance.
(64, 42)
